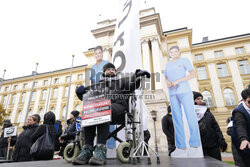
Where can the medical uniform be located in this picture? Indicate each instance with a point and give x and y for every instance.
(182, 94)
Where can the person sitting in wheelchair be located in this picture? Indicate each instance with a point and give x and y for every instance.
(70, 132)
(119, 87)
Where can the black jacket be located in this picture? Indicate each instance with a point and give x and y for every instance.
(49, 121)
(23, 144)
(58, 126)
(115, 88)
(4, 140)
(168, 129)
(70, 132)
(211, 135)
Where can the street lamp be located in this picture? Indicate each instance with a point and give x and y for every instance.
(154, 117)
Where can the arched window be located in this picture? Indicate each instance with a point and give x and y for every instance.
(229, 97)
(19, 116)
(78, 107)
(64, 112)
(52, 109)
(44, 93)
(30, 112)
(207, 97)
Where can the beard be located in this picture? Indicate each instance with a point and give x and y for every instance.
(110, 75)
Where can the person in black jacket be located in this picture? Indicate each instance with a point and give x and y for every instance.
(211, 136)
(168, 129)
(4, 140)
(113, 85)
(23, 144)
(241, 130)
(58, 126)
(49, 121)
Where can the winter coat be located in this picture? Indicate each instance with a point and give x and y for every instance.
(24, 143)
(115, 88)
(241, 127)
(211, 135)
(49, 121)
(70, 132)
(168, 129)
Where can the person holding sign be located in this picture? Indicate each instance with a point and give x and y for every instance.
(180, 94)
(5, 140)
(211, 136)
(118, 91)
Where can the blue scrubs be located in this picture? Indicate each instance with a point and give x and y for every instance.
(96, 74)
(182, 94)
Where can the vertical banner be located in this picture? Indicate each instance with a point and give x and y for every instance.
(127, 46)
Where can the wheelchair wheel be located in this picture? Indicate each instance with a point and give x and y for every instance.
(70, 154)
(123, 152)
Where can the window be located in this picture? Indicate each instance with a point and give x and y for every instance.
(207, 98)
(23, 98)
(78, 107)
(35, 84)
(55, 93)
(9, 116)
(66, 92)
(4, 100)
(80, 77)
(44, 93)
(19, 116)
(15, 87)
(56, 80)
(13, 99)
(202, 73)
(6, 88)
(25, 85)
(199, 57)
(45, 82)
(222, 70)
(240, 51)
(218, 54)
(33, 96)
(41, 113)
(68, 79)
(30, 112)
(64, 112)
(229, 97)
(244, 67)
(52, 109)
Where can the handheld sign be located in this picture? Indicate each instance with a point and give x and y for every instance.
(96, 108)
(11, 131)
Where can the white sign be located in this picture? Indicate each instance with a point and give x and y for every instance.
(11, 131)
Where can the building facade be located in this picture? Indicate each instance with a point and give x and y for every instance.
(222, 68)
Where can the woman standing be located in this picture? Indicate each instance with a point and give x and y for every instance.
(181, 94)
(23, 144)
(49, 121)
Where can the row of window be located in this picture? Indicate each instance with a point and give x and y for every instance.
(228, 96)
(222, 70)
(41, 113)
(45, 82)
(219, 53)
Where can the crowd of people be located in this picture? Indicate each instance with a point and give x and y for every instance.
(209, 135)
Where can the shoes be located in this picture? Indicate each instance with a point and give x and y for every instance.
(99, 157)
(84, 156)
(195, 152)
(179, 153)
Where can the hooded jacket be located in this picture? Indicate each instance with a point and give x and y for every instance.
(49, 121)
(24, 143)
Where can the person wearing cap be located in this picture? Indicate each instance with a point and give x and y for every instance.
(212, 139)
(113, 85)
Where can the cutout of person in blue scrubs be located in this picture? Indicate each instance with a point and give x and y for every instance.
(180, 94)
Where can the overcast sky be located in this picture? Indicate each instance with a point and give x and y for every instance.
(50, 31)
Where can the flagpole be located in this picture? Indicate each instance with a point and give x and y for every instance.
(2, 79)
(67, 107)
(33, 84)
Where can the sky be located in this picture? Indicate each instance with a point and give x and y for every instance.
(50, 31)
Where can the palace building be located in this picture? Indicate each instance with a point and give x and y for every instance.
(222, 67)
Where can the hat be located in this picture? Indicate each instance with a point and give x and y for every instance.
(107, 66)
(75, 113)
(38, 117)
(197, 94)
